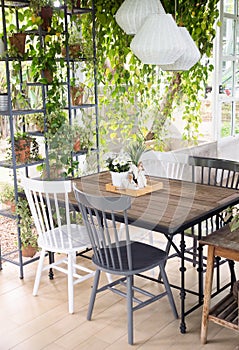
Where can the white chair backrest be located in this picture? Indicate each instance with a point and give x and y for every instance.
(49, 205)
(165, 164)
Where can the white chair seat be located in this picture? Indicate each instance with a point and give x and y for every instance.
(49, 205)
(53, 241)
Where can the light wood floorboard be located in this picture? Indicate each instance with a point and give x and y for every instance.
(43, 322)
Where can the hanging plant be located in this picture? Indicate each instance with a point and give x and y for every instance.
(141, 92)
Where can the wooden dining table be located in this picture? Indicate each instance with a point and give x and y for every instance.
(170, 210)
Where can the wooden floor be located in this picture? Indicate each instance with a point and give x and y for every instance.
(43, 322)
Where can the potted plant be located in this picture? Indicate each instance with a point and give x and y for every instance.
(29, 237)
(44, 64)
(135, 150)
(119, 166)
(44, 9)
(26, 147)
(17, 39)
(74, 43)
(7, 196)
(74, 4)
(77, 94)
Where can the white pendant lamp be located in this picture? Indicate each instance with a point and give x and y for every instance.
(190, 56)
(132, 13)
(158, 41)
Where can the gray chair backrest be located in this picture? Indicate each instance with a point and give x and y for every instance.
(215, 171)
(111, 250)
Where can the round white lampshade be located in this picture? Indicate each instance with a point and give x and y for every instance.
(158, 41)
(132, 13)
(189, 58)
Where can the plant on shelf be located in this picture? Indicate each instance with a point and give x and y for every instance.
(73, 4)
(74, 43)
(29, 236)
(67, 140)
(26, 148)
(7, 196)
(44, 10)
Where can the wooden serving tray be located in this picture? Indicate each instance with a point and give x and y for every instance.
(153, 186)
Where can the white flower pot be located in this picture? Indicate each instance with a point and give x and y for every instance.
(118, 178)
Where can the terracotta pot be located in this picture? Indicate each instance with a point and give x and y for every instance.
(74, 51)
(46, 14)
(29, 251)
(76, 3)
(76, 146)
(12, 205)
(77, 95)
(48, 75)
(23, 150)
(18, 41)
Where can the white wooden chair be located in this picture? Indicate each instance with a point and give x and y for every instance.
(49, 205)
(166, 164)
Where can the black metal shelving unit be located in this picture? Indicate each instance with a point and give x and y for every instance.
(12, 113)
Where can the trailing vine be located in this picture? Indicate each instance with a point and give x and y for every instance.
(132, 93)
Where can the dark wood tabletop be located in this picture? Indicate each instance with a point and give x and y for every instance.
(172, 209)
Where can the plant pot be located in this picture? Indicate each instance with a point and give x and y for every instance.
(18, 41)
(76, 3)
(46, 14)
(48, 75)
(77, 95)
(74, 51)
(29, 251)
(4, 102)
(23, 150)
(118, 178)
(77, 146)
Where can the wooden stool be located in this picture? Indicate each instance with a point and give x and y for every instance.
(223, 243)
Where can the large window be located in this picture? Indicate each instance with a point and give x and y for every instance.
(229, 69)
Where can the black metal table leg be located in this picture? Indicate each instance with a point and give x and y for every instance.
(182, 292)
(200, 266)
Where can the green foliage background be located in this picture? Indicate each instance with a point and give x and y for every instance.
(131, 92)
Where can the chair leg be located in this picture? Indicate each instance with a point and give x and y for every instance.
(71, 258)
(130, 308)
(168, 290)
(194, 251)
(93, 294)
(39, 272)
(207, 294)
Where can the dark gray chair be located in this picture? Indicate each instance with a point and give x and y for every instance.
(212, 172)
(119, 255)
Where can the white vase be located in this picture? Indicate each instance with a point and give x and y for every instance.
(118, 179)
